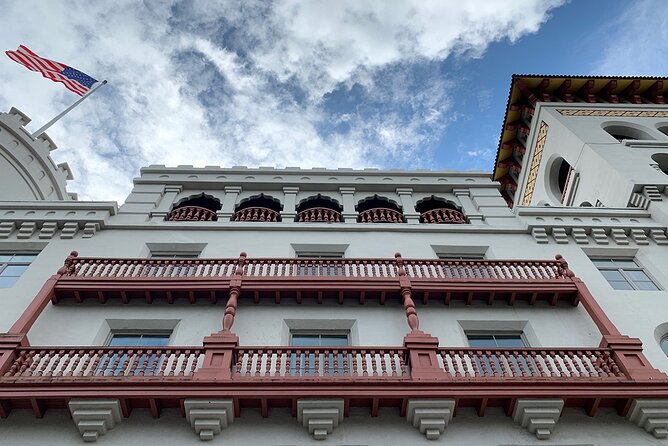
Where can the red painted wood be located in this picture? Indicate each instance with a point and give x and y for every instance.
(443, 216)
(257, 214)
(318, 215)
(192, 213)
(380, 215)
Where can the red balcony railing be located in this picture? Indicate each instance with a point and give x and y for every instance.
(146, 279)
(329, 363)
(192, 213)
(257, 214)
(288, 363)
(89, 268)
(380, 215)
(316, 215)
(105, 362)
(529, 363)
(443, 215)
(38, 378)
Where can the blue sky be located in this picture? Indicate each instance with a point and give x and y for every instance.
(395, 84)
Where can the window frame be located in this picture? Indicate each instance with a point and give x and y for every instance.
(115, 364)
(497, 333)
(8, 263)
(310, 370)
(622, 270)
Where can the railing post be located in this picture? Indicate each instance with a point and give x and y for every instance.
(422, 347)
(627, 353)
(219, 347)
(235, 289)
(422, 356)
(406, 294)
(9, 342)
(218, 356)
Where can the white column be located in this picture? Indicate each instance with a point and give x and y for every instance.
(469, 208)
(406, 196)
(348, 198)
(229, 202)
(289, 211)
(168, 196)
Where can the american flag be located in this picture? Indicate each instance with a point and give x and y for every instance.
(74, 80)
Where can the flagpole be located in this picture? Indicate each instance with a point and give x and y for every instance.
(67, 110)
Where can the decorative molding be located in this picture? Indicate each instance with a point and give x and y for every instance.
(44, 220)
(651, 415)
(320, 417)
(539, 416)
(614, 112)
(209, 417)
(430, 416)
(537, 151)
(94, 417)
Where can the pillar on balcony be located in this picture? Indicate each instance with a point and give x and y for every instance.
(348, 199)
(320, 417)
(430, 416)
(651, 415)
(209, 416)
(406, 197)
(539, 416)
(422, 356)
(166, 202)
(229, 202)
(218, 355)
(289, 211)
(627, 353)
(94, 417)
(9, 342)
(468, 207)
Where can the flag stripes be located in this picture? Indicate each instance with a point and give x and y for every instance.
(48, 68)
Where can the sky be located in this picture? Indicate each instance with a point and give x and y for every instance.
(406, 84)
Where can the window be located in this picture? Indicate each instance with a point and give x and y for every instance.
(461, 256)
(490, 364)
(12, 266)
(317, 268)
(303, 364)
(493, 340)
(174, 255)
(664, 345)
(625, 274)
(178, 269)
(133, 364)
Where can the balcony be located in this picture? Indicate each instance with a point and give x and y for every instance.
(319, 215)
(297, 280)
(380, 215)
(41, 378)
(443, 216)
(192, 213)
(257, 213)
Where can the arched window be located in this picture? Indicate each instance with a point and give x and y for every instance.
(258, 208)
(661, 159)
(376, 209)
(439, 210)
(620, 132)
(319, 208)
(663, 129)
(200, 207)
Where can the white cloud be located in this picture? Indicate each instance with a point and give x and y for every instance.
(246, 83)
(640, 43)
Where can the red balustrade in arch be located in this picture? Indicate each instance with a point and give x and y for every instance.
(256, 213)
(380, 215)
(192, 213)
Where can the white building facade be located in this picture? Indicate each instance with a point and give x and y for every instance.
(351, 307)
